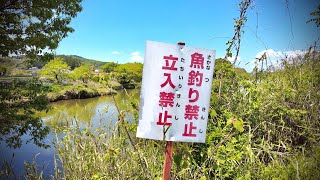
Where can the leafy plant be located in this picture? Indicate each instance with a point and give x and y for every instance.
(56, 70)
(31, 26)
(82, 73)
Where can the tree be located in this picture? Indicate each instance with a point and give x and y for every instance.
(72, 62)
(129, 74)
(56, 69)
(109, 67)
(83, 73)
(31, 26)
(316, 15)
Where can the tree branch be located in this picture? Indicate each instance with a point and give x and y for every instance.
(5, 6)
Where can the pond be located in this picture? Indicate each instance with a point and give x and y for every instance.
(86, 113)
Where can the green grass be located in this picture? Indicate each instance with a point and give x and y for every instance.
(78, 90)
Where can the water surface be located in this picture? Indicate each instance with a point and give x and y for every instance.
(86, 113)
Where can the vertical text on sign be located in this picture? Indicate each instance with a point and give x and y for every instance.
(166, 98)
(194, 82)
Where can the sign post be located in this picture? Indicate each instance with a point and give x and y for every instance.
(167, 161)
(175, 95)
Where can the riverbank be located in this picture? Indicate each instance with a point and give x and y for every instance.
(74, 89)
(80, 91)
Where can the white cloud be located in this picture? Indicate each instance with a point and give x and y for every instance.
(135, 53)
(296, 53)
(115, 52)
(135, 56)
(279, 54)
(269, 52)
(231, 59)
(274, 57)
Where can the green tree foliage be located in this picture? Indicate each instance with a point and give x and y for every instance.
(82, 73)
(316, 16)
(109, 67)
(223, 68)
(31, 26)
(18, 102)
(73, 62)
(224, 72)
(129, 74)
(56, 70)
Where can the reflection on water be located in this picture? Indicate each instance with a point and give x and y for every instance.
(87, 113)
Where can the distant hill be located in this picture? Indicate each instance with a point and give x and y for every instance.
(75, 60)
(18, 64)
(76, 56)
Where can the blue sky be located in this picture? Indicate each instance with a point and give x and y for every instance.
(117, 30)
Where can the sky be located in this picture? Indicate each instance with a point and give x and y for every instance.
(109, 30)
